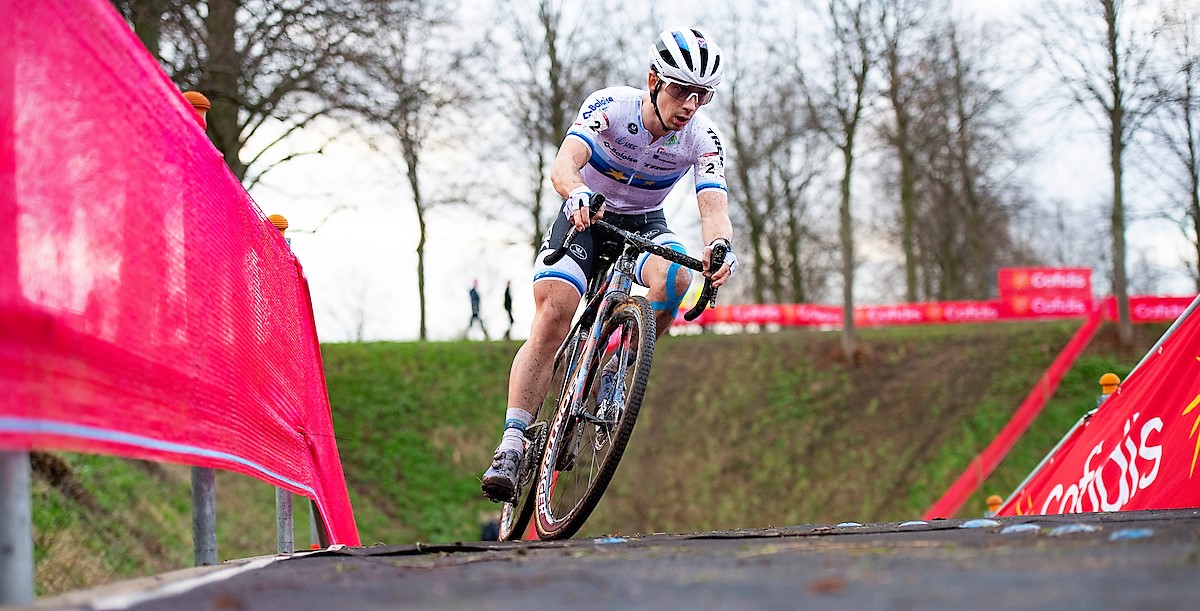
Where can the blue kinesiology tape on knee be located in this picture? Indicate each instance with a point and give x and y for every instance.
(674, 298)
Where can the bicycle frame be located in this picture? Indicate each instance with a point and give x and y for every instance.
(604, 291)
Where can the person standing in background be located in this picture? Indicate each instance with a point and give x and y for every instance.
(508, 308)
(474, 293)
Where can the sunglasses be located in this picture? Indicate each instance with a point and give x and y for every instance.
(682, 92)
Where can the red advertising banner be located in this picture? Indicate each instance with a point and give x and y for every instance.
(1045, 306)
(1148, 308)
(1138, 450)
(1045, 281)
(1143, 308)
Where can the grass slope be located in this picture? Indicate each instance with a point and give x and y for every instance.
(736, 431)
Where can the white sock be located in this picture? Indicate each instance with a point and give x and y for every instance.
(515, 422)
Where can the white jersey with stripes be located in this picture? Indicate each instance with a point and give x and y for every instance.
(632, 169)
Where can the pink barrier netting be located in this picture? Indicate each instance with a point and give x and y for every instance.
(147, 307)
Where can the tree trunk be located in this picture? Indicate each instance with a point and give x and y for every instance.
(845, 231)
(220, 82)
(1120, 282)
(146, 18)
(412, 162)
(904, 153)
(1117, 149)
(1196, 221)
(1193, 176)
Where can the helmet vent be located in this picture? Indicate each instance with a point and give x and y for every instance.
(683, 49)
(666, 55)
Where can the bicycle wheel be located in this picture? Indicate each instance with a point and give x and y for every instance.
(588, 434)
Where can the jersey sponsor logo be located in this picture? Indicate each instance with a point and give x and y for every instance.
(674, 139)
(578, 252)
(623, 141)
(594, 106)
(633, 128)
(660, 167)
(619, 154)
(717, 142)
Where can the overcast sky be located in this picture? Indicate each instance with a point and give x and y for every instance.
(365, 254)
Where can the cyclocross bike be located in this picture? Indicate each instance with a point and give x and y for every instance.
(583, 426)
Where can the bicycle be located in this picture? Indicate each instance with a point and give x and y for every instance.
(580, 436)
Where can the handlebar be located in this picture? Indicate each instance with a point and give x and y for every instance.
(708, 295)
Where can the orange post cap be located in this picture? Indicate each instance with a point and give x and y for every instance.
(200, 104)
(994, 502)
(1109, 383)
(278, 221)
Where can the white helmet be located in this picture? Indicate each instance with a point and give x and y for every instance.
(687, 56)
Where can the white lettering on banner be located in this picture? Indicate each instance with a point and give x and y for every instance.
(758, 313)
(818, 315)
(1058, 280)
(971, 312)
(890, 315)
(1058, 305)
(1160, 311)
(1125, 458)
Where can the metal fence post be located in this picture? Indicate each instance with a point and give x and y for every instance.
(204, 480)
(285, 539)
(204, 515)
(16, 530)
(314, 538)
(285, 542)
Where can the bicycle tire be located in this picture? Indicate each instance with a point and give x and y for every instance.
(565, 499)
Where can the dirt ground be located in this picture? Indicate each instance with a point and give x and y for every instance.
(1130, 560)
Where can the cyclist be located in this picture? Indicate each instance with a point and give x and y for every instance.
(631, 145)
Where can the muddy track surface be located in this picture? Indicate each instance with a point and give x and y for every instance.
(1131, 560)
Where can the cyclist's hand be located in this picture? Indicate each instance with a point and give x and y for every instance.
(575, 208)
(727, 268)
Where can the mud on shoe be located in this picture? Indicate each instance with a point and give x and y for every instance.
(500, 480)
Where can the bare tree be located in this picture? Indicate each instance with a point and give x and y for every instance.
(1101, 57)
(961, 137)
(146, 18)
(900, 55)
(762, 117)
(847, 55)
(1177, 126)
(548, 55)
(412, 76)
(258, 61)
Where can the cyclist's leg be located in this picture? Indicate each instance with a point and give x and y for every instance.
(556, 293)
(529, 381)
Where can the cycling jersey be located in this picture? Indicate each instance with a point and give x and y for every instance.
(634, 171)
